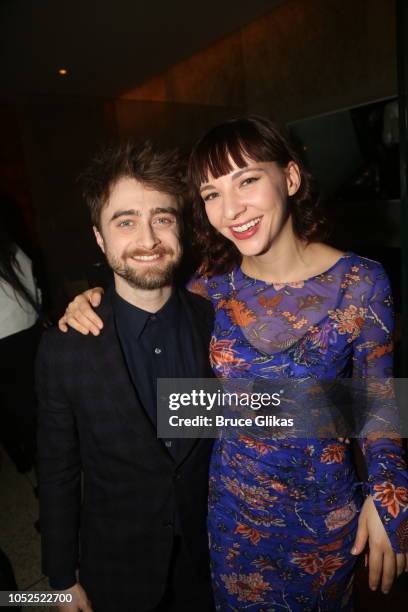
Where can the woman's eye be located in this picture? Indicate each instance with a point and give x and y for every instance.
(210, 196)
(249, 180)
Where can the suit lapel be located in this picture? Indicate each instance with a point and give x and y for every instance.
(200, 332)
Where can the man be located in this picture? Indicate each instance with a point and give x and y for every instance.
(135, 539)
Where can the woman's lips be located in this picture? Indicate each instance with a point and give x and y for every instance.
(244, 234)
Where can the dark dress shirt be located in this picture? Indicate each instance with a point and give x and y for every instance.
(155, 346)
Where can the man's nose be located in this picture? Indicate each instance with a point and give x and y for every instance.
(147, 239)
(233, 206)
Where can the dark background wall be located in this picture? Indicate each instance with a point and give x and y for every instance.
(301, 59)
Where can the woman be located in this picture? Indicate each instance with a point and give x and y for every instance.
(19, 335)
(284, 513)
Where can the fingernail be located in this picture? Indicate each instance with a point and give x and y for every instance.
(354, 550)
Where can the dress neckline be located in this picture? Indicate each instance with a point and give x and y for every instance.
(293, 284)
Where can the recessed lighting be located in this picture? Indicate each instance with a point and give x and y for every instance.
(63, 71)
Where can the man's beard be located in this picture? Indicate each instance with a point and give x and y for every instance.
(153, 277)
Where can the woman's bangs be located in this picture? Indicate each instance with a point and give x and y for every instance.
(224, 156)
(221, 157)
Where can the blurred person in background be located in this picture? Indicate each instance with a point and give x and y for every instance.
(19, 335)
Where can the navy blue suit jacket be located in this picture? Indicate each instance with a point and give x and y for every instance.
(117, 526)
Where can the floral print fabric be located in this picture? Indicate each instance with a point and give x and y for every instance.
(283, 512)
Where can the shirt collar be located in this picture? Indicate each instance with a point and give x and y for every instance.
(135, 319)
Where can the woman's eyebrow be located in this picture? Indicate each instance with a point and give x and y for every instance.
(234, 176)
(246, 169)
(207, 186)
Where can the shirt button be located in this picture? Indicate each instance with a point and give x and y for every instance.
(153, 317)
(157, 350)
(168, 443)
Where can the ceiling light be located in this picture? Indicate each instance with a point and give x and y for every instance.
(63, 71)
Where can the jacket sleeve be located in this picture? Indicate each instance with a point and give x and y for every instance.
(380, 441)
(59, 467)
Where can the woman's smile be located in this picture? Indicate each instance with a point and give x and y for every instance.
(243, 231)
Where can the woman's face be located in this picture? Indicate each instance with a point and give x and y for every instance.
(249, 206)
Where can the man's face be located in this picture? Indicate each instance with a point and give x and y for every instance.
(140, 235)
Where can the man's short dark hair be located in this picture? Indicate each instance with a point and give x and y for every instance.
(146, 163)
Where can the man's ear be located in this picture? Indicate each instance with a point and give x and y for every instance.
(293, 178)
(99, 238)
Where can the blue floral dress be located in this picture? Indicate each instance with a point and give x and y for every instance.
(283, 513)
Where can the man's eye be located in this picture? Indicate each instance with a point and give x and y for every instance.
(210, 196)
(126, 223)
(163, 220)
(249, 180)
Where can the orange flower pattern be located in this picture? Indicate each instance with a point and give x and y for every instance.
(240, 315)
(247, 587)
(253, 535)
(283, 512)
(349, 321)
(325, 566)
(223, 358)
(391, 497)
(333, 453)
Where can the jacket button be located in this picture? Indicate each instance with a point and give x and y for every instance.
(168, 524)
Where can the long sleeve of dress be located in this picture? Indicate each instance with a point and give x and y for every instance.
(383, 452)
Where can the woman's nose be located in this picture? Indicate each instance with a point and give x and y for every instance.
(233, 206)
